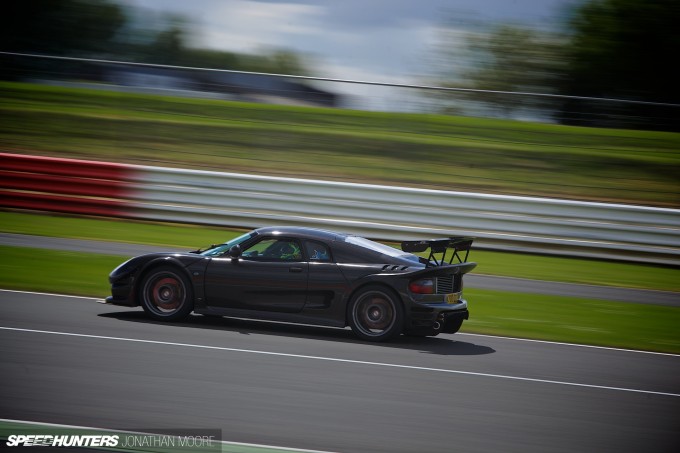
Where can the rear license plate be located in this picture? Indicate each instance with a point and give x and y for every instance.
(453, 298)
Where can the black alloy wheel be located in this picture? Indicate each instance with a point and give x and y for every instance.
(376, 314)
(166, 294)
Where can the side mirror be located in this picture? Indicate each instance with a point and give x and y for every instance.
(235, 251)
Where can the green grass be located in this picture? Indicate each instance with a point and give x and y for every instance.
(490, 263)
(114, 230)
(500, 313)
(439, 151)
(574, 320)
(576, 270)
(52, 271)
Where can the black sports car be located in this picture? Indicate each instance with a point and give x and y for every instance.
(309, 276)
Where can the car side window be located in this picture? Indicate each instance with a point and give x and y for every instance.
(274, 249)
(318, 252)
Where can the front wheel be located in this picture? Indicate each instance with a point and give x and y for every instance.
(166, 294)
(376, 314)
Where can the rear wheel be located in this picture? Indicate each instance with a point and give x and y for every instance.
(166, 294)
(376, 314)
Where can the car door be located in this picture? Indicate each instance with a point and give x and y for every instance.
(326, 285)
(270, 275)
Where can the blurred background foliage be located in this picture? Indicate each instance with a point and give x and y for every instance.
(613, 49)
(105, 29)
(610, 49)
(622, 49)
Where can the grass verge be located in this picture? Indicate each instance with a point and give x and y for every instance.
(574, 320)
(114, 230)
(535, 267)
(54, 271)
(552, 318)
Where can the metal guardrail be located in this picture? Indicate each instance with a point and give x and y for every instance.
(524, 224)
(394, 213)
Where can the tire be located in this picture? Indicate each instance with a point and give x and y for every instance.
(375, 313)
(166, 294)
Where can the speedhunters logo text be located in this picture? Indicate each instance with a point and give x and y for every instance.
(46, 440)
(201, 440)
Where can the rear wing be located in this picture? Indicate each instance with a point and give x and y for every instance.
(437, 246)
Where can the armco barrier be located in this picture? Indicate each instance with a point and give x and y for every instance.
(230, 199)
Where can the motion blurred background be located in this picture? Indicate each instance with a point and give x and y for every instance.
(519, 72)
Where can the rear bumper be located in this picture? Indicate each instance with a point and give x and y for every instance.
(450, 322)
(429, 319)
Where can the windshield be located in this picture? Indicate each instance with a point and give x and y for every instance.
(223, 248)
(380, 248)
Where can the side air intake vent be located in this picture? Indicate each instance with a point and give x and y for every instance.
(390, 267)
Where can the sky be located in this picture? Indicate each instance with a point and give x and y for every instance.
(374, 40)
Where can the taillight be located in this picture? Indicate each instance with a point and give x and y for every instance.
(422, 286)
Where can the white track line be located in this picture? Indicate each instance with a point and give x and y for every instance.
(576, 345)
(222, 442)
(49, 294)
(331, 359)
(568, 344)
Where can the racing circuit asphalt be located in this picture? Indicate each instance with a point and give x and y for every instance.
(74, 361)
(70, 360)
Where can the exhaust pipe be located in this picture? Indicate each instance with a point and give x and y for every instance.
(438, 323)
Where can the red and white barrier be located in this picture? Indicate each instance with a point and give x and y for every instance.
(65, 185)
(542, 225)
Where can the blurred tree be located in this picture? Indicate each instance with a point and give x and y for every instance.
(273, 62)
(105, 29)
(287, 62)
(209, 58)
(63, 28)
(506, 57)
(624, 49)
(168, 47)
(59, 27)
(514, 58)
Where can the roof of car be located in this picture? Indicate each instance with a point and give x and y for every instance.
(311, 233)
